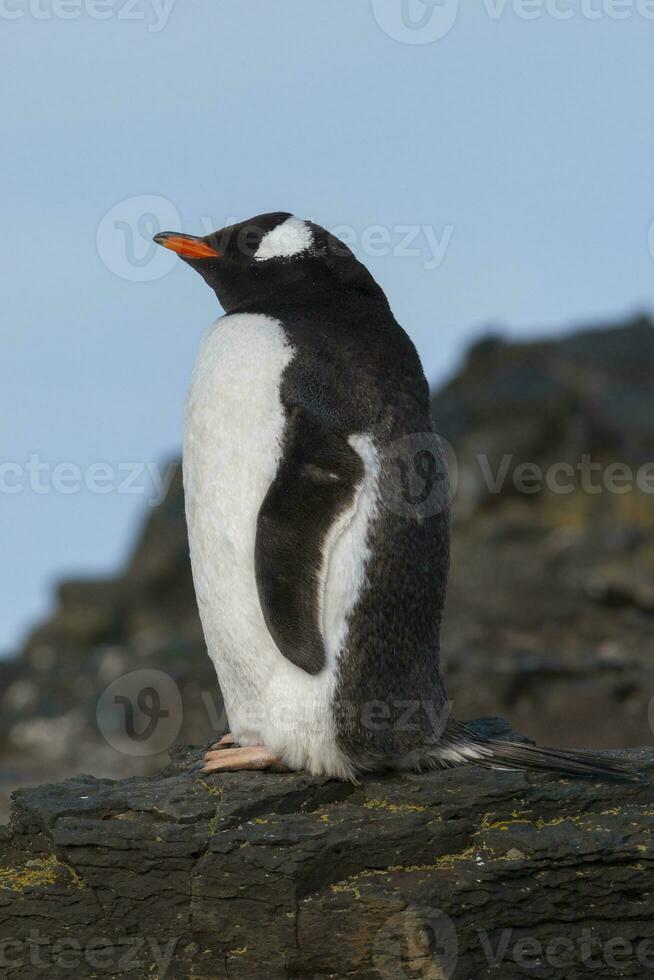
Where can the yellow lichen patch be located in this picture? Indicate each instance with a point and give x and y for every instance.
(346, 886)
(395, 807)
(449, 860)
(540, 823)
(442, 863)
(488, 823)
(504, 824)
(212, 790)
(73, 874)
(327, 815)
(36, 873)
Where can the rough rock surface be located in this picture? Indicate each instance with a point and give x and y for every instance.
(549, 617)
(460, 874)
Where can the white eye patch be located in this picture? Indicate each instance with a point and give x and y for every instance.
(289, 238)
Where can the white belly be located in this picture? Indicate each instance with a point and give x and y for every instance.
(234, 426)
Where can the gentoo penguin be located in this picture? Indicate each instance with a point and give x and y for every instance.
(320, 584)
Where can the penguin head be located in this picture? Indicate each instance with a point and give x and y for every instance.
(270, 257)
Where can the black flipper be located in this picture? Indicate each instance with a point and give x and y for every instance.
(318, 477)
(459, 745)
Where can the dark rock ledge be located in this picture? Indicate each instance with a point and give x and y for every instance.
(464, 874)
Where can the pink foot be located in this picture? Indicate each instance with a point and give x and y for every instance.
(224, 759)
(226, 742)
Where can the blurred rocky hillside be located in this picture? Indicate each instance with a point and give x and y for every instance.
(550, 616)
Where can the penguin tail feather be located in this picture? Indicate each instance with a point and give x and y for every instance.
(461, 746)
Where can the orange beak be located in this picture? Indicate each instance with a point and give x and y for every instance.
(188, 246)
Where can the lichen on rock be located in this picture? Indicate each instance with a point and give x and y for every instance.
(472, 873)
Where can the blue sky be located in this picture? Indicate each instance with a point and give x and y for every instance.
(498, 175)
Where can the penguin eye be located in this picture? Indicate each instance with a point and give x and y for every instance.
(249, 239)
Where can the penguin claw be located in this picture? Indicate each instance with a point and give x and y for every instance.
(226, 742)
(252, 757)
